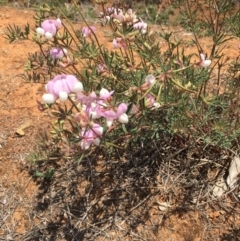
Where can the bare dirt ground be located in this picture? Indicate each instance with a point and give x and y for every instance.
(19, 214)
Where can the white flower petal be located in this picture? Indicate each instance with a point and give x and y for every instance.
(48, 35)
(156, 105)
(48, 98)
(109, 122)
(94, 115)
(150, 79)
(40, 31)
(78, 87)
(65, 51)
(143, 31)
(100, 130)
(84, 145)
(206, 63)
(63, 95)
(202, 56)
(96, 141)
(108, 19)
(103, 92)
(123, 118)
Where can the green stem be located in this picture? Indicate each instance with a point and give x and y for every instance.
(74, 105)
(80, 12)
(70, 26)
(193, 29)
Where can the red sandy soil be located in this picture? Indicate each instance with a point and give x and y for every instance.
(18, 107)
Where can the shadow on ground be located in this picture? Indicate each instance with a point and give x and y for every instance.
(120, 197)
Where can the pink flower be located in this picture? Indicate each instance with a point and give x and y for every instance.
(110, 10)
(205, 62)
(105, 94)
(49, 28)
(86, 99)
(87, 31)
(114, 113)
(119, 43)
(118, 15)
(100, 68)
(116, 45)
(92, 110)
(150, 79)
(91, 136)
(60, 86)
(149, 101)
(140, 25)
(57, 53)
(130, 16)
(67, 62)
